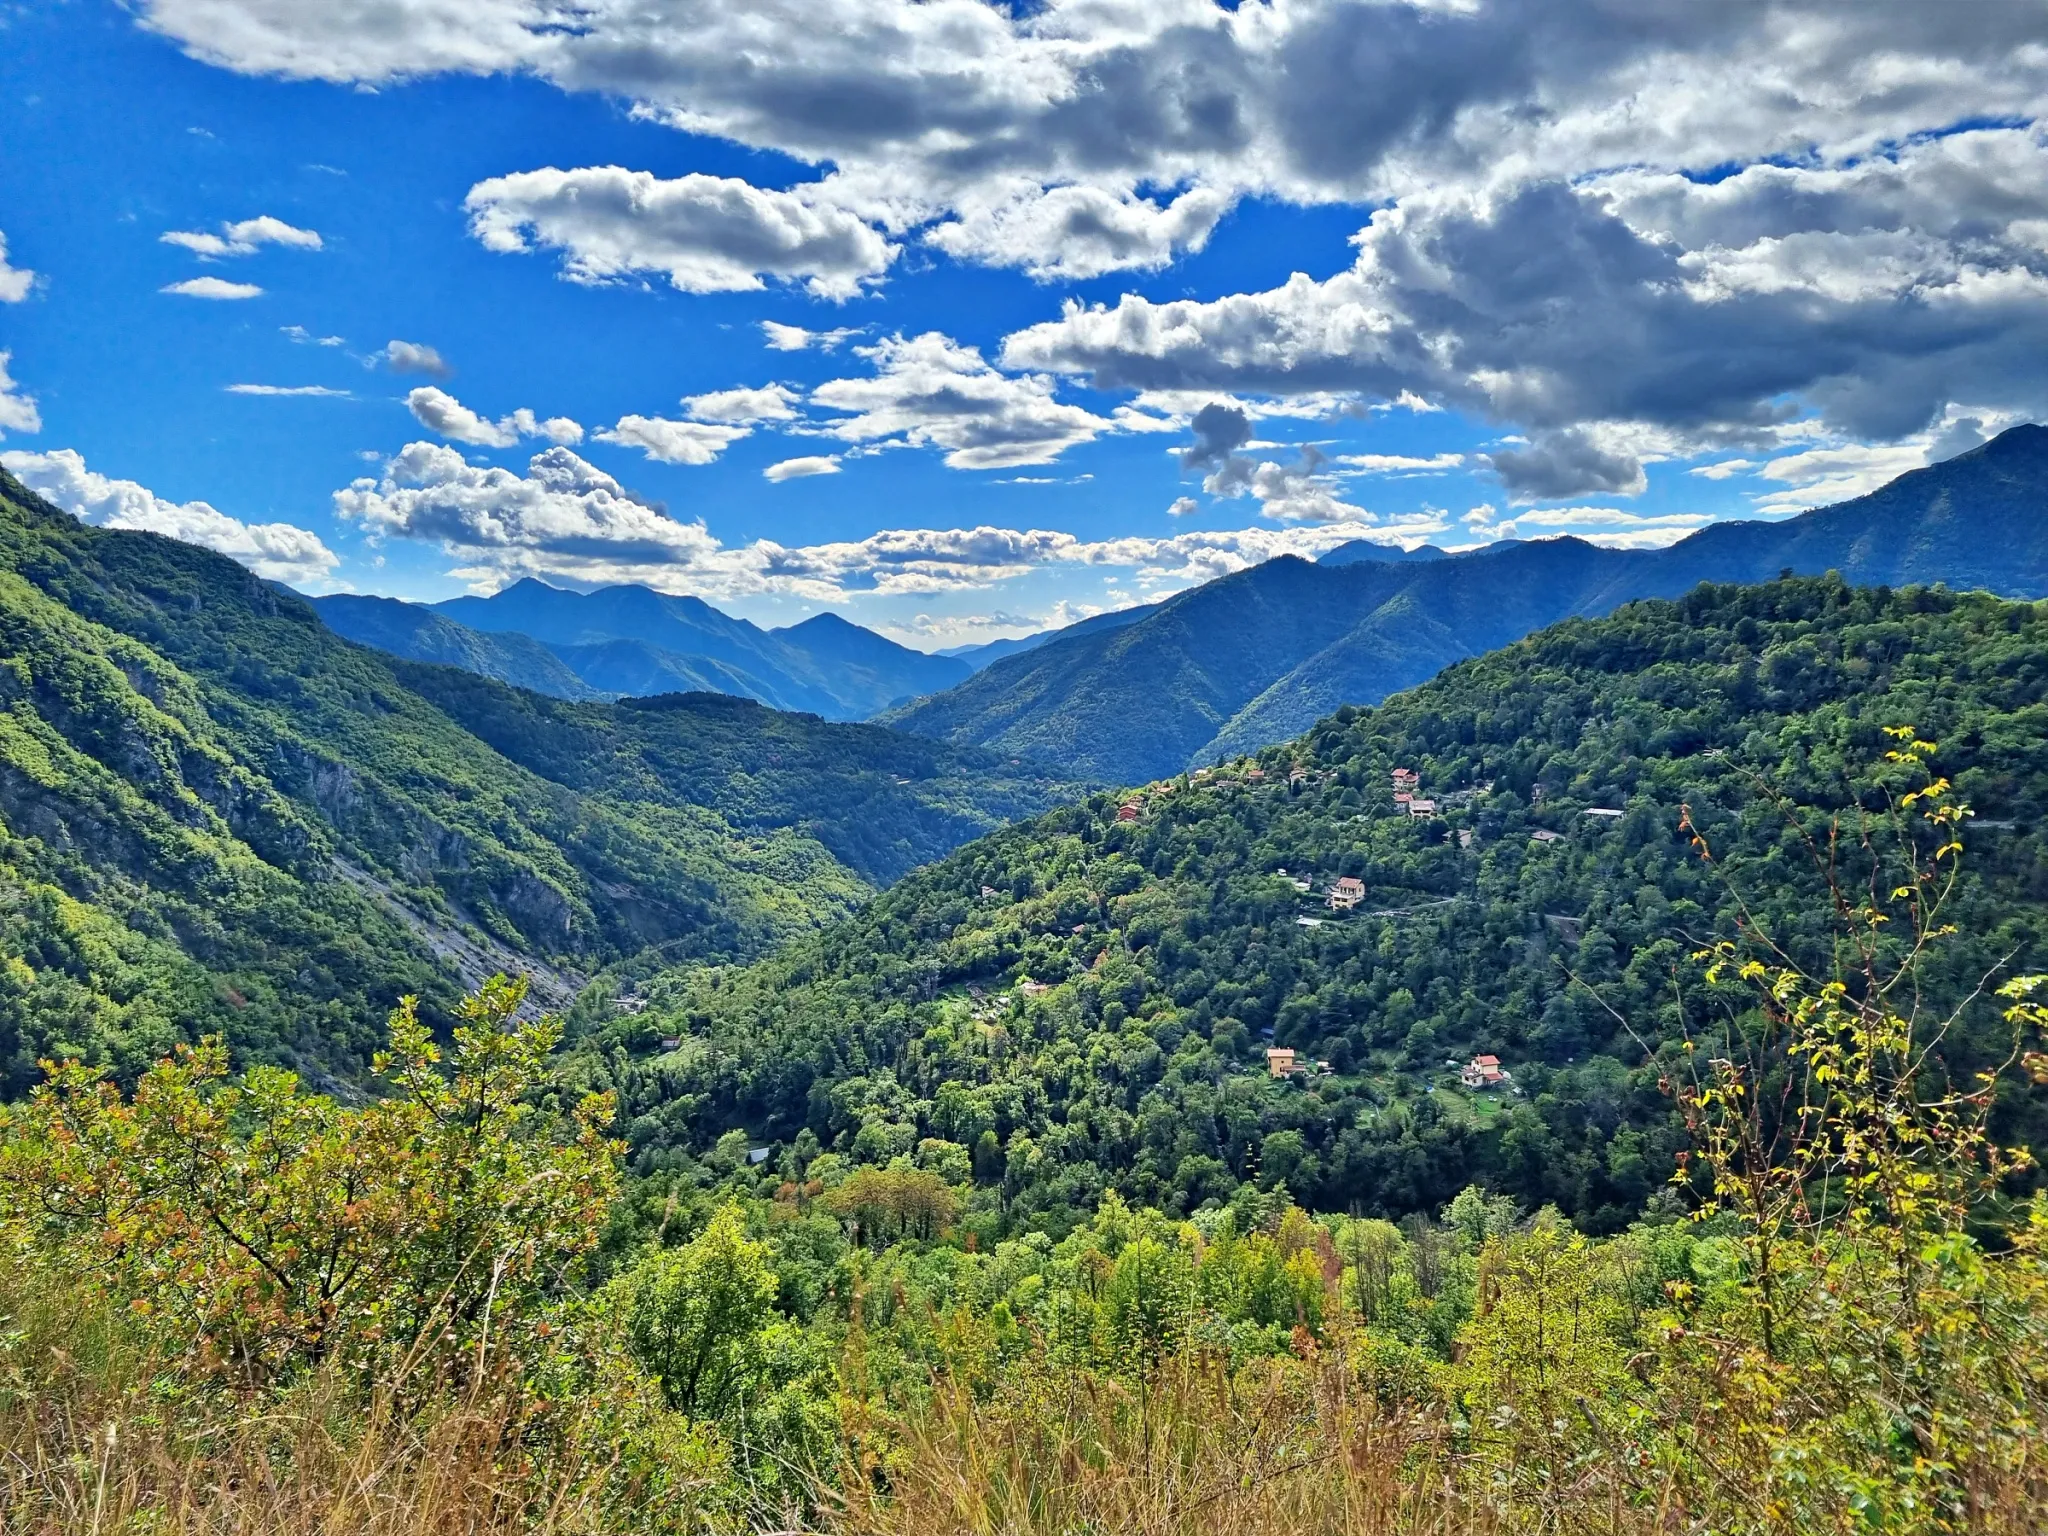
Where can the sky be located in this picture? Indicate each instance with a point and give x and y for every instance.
(964, 319)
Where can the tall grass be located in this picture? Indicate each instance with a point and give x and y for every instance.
(102, 1432)
(1190, 1448)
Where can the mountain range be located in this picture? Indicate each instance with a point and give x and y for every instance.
(218, 816)
(628, 640)
(1256, 657)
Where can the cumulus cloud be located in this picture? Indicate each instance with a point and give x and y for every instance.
(801, 468)
(706, 234)
(1564, 463)
(243, 238)
(930, 391)
(563, 516)
(771, 402)
(794, 338)
(568, 520)
(673, 442)
(413, 357)
(1541, 252)
(17, 411)
(438, 411)
(1220, 430)
(1318, 100)
(1183, 506)
(275, 551)
(1641, 301)
(1071, 232)
(15, 282)
(212, 288)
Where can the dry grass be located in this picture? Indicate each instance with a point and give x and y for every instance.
(1195, 1451)
(101, 1436)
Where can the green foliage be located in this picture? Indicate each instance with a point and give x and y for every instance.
(267, 1228)
(1161, 951)
(695, 1315)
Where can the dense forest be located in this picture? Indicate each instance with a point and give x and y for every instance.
(1084, 1003)
(222, 818)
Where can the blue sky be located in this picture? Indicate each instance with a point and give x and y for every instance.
(1554, 276)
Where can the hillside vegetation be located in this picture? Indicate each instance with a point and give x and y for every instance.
(1082, 1003)
(1252, 659)
(236, 1307)
(221, 818)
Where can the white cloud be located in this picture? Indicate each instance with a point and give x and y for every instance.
(564, 517)
(771, 402)
(17, 411)
(308, 391)
(1722, 469)
(1540, 251)
(212, 288)
(1641, 310)
(707, 234)
(1073, 232)
(439, 411)
(568, 520)
(930, 391)
(243, 238)
(413, 357)
(305, 338)
(794, 338)
(15, 282)
(1316, 100)
(798, 469)
(1183, 506)
(673, 442)
(1398, 464)
(275, 551)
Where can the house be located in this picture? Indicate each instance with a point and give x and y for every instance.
(1422, 809)
(1033, 988)
(1130, 810)
(1482, 1072)
(1464, 837)
(1297, 776)
(1280, 1060)
(671, 1042)
(988, 893)
(756, 1156)
(1254, 775)
(1308, 922)
(1407, 778)
(1347, 893)
(1601, 812)
(1402, 797)
(1545, 835)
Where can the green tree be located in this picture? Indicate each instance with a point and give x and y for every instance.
(697, 1316)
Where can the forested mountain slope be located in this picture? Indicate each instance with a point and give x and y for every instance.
(1258, 656)
(417, 633)
(221, 817)
(1083, 1001)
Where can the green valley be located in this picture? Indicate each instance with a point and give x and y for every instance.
(222, 818)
